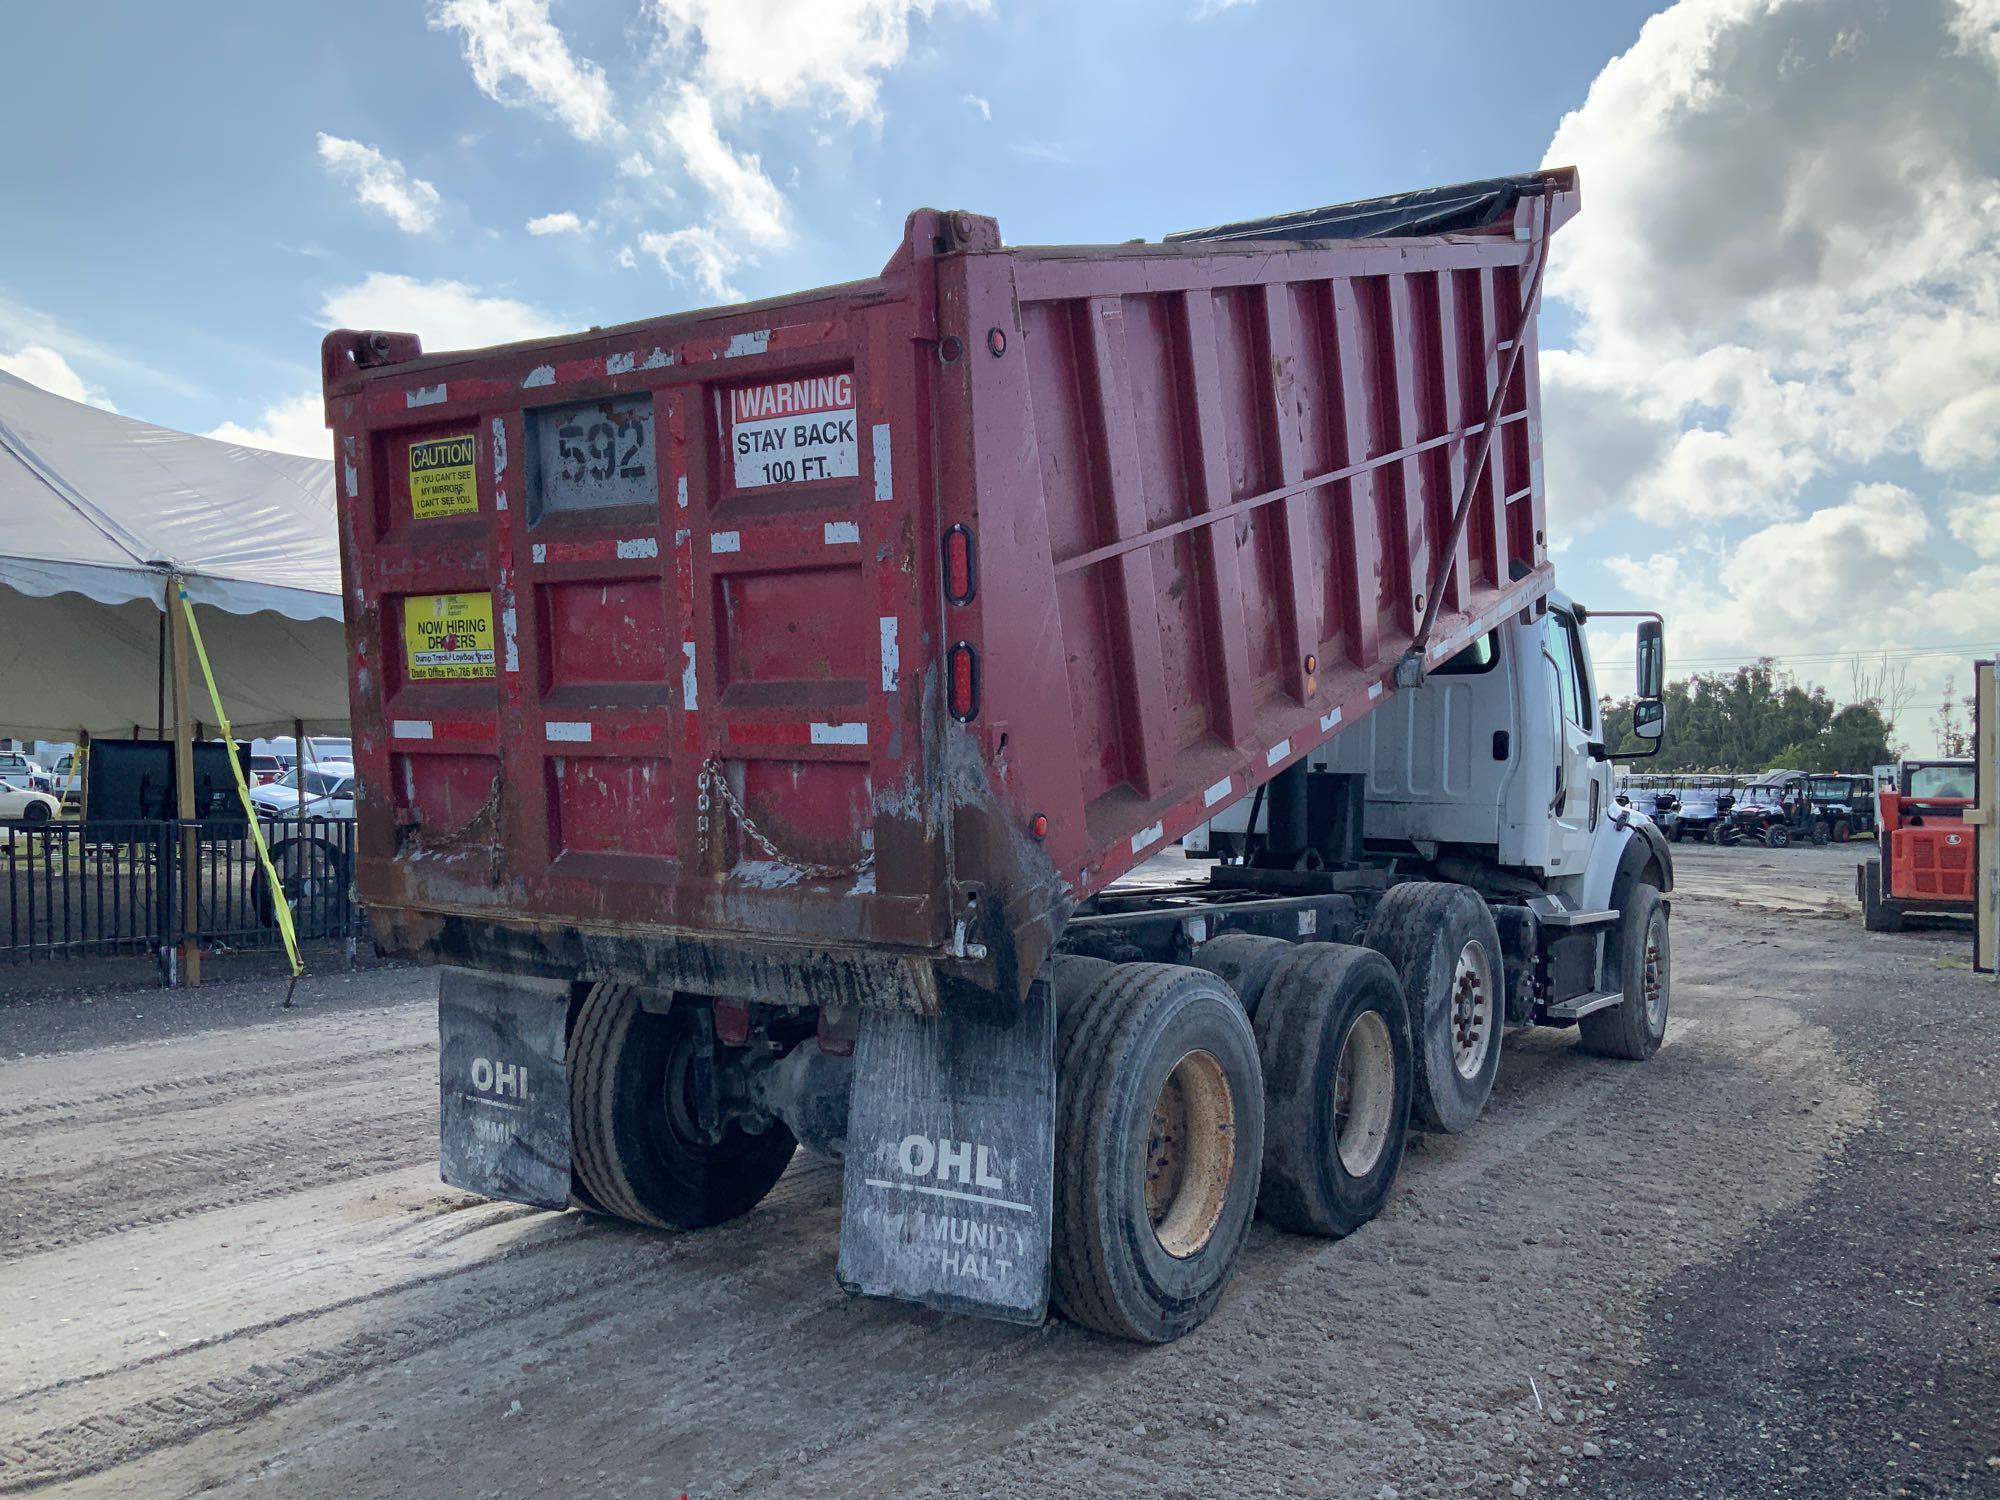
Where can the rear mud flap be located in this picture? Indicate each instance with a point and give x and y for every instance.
(951, 1160)
(503, 1087)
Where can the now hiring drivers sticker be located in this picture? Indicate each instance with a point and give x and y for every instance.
(448, 636)
(794, 431)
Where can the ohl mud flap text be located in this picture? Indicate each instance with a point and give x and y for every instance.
(503, 1087)
(950, 1161)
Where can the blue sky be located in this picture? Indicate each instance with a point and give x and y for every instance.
(1783, 200)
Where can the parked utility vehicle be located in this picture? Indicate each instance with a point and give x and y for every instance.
(767, 713)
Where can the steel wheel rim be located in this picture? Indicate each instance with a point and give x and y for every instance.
(1652, 980)
(1364, 1093)
(1190, 1154)
(1471, 1010)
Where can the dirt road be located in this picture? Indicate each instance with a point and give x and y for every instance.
(227, 1265)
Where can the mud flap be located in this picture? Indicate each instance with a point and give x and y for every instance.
(951, 1161)
(503, 1087)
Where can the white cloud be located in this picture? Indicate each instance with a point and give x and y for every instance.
(1975, 521)
(510, 43)
(381, 182)
(1051, 151)
(1206, 8)
(565, 222)
(627, 261)
(746, 201)
(42, 366)
(697, 254)
(295, 425)
(636, 165)
(827, 53)
(1788, 263)
(985, 107)
(445, 314)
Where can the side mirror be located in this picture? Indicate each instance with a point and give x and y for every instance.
(1652, 656)
(1649, 718)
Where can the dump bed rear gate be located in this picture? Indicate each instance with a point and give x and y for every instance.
(852, 638)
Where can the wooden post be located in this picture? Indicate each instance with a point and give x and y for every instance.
(184, 787)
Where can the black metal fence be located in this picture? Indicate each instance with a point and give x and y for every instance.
(100, 890)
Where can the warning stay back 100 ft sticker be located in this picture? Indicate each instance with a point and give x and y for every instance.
(448, 636)
(794, 431)
(442, 482)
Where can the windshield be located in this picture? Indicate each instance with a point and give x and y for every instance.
(1941, 781)
(318, 783)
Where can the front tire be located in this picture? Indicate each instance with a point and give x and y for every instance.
(637, 1150)
(1777, 836)
(1441, 940)
(1634, 1028)
(1334, 1034)
(1159, 1141)
(35, 813)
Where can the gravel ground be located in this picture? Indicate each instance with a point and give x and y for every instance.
(1760, 1264)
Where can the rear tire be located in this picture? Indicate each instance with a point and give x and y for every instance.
(1841, 832)
(1876, 916)
(1777, 836)
(1159, 1141)
(1634, 1028)
(1334, 1034)
(1244, 962)
(35, 812)
(1441, 940)
(636, 1151)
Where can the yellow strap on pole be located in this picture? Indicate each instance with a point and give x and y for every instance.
(280, 907)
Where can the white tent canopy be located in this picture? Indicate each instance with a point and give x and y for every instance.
(98, 511)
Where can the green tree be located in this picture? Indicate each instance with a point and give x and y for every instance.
(1757, 718)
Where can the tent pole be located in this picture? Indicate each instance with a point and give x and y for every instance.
(160, 680)
(299, 764)
(184, 788)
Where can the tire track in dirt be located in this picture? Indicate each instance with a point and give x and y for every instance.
(465, 1302)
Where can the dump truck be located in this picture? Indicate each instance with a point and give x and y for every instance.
(773, 719)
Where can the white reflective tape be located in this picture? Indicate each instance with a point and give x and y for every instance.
(659, 359)
(353, 479)
(840, 734)
(690, 691)
(681, 491)
(1197, 929)
(540, 553)
(567, 730)
(620, 364)
(1277, 752)
(539, 376)
(411, 729)
(1217, 792)
(841, 531)
(1328, 720)
(885, 481)
(1308, 922)
(892, 656)
(725, 541)
(510, 638)
(499, 447)
(748, 343)
(424, 395)
(1374, 690)
(640, 546)
(1145, 836)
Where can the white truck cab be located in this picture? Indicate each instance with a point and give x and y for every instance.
(1494, 772)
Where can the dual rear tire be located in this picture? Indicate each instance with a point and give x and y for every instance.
(1183, 1106)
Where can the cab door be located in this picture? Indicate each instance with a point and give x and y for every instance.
(1576, 800)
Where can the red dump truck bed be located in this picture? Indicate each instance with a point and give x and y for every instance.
(849, 639)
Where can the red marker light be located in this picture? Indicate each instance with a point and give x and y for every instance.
(961, 577)
(1039, 826)
(964, 682)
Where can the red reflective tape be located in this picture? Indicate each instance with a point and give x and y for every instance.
(464, 729)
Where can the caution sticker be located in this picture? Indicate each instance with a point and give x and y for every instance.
(448, 636)
(441, 478)
(794, 431)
